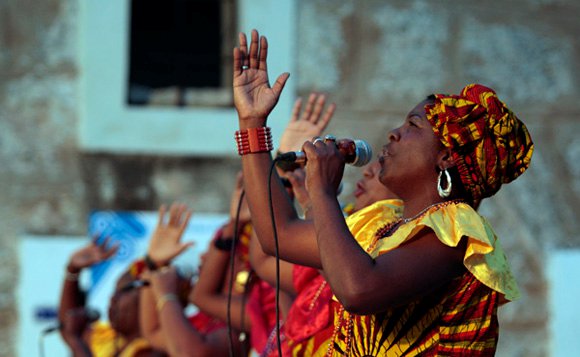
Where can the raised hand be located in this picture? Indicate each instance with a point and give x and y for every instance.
(310, 123)
(254, 99)
(297, 178)
(166, 242)
(91, 254)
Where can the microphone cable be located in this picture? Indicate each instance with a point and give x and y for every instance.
(243, 335)
(277, 254)
(231, 282)
(43, 334)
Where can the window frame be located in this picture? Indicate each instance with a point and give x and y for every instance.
(109, 125)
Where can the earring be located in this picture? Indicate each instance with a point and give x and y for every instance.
(444, 192)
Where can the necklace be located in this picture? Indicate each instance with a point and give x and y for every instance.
(424, 210)
(390, 228)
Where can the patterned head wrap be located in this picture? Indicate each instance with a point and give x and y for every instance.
(490, 145)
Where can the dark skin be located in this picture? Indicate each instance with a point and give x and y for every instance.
(306, 122)
(166, 326)
(123, 308)
(358, 280)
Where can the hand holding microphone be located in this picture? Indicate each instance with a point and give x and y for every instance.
(326, 159)
(355, 152)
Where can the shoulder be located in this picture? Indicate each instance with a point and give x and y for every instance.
(451, 223)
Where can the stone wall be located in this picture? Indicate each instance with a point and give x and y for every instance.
(377, 59)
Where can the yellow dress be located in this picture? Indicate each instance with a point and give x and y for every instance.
(457, 319)
(104, 342)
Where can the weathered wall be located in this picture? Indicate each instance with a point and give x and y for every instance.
(377, 59)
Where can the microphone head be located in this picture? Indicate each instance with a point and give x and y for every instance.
(364, 153)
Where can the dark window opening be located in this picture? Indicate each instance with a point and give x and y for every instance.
(177, 47)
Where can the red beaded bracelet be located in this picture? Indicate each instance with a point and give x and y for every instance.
(254, 140)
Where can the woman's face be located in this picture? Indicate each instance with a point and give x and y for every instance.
(409, 160)
(369, 189)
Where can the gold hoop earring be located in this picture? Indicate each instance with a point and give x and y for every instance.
(444, 192)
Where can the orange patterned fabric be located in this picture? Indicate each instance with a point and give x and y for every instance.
(456, 319)
(459, 319)
(491, 146)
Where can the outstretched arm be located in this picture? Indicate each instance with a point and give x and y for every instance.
(180, 338)
(254, 100)
(72, 297)
(164, 246)
(74, 327)
(210, 293)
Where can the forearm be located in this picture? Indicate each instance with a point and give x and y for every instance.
(344, 262)
(78, 346)
(148, 319)
(180, 337)
(72, 296)
(208, 291)
(265, 266)
(212, 275)
(256, 168)
(296, 238)
(400, 273)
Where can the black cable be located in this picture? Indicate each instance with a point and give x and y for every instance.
(247, 285)
(232, 266)
(277, 257)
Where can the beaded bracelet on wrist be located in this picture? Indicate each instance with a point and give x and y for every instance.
(150, 263)
(164, 300)
(254, 140)
(72, 276)
(224, 243)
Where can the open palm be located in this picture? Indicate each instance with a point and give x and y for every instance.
(92, 254)
(166, 242)
(253, 96)
(308, 124)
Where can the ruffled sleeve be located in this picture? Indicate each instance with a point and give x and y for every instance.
(484, 256)
(364, 223)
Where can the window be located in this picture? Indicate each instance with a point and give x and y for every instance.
(203, 122)
(179, 53)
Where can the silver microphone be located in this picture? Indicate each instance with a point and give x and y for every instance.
(355, 152)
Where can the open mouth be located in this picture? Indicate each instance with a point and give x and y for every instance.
(359, 190)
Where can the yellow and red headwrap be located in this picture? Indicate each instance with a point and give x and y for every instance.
(490, 145)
